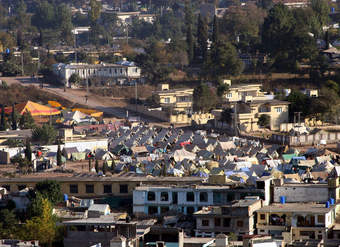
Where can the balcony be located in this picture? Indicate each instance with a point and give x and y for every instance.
(271, 227)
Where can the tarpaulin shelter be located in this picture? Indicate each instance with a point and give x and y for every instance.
(34, 108)
(182, 154)
(92, 113)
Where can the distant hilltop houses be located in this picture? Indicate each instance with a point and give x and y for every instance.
(120, 72)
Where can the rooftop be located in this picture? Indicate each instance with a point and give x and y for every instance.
(132, 177)
(296, 208)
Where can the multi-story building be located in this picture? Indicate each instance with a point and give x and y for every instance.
(296, 221)
(179, 100)
(158, 200)
(90, 186)
(238, 218)
(119, 72)
(251, 103)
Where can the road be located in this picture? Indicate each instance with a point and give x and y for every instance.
(104, 104)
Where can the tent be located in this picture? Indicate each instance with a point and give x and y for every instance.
(78, 117)
(34, 108)
(180, 155)
(92, 113)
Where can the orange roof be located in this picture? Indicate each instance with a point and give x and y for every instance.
(34, 108)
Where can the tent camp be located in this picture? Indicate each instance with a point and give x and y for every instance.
(34, 108)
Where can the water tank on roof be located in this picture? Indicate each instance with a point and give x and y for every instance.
(332, 201)
(327, 204)
(282, 199)
(65, 197)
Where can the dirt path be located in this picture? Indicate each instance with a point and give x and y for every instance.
(105, 104)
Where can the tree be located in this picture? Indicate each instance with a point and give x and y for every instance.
(105, 167)
(189, 32)
(264, 120)
(202, 39)
(204, 99)
(96, 165)
(50, 189)
(9, 68)
(26, 121)
(45, 134)
(3, 119)
(215, 33)
(28, 151)
(95, 10)
(221, 89)
(90, 165)
(226, 115)
(59, 158)
(14, 118)
(8, 222)
(64, 17)
(226, 60)
(43, 227)
(155, 62)
(74, 79)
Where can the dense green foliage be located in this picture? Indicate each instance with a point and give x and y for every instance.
(45, 134)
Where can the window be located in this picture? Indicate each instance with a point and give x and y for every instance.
(136, 70)
(190, 210)
(190, 197)
(121, 71)
(107, 188)
(217, 197)
(321, 219)
(164, 196)
(7, 187)
(226, 222)
(174, 197)
(115, 71)
(164, 210)
(152, 210)
(229, 95)
(123, 189)
(278, 109)
(203, 196)
(239, 223)
(217, 221)
(21, 186)
(151, 196)
(89, 188)
(205, 222)
(73, 188)
(166, 100)
(262, 216)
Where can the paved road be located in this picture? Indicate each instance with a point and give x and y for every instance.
(104, 104)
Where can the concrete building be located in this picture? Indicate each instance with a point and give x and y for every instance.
(126, 18)
(296, 221)
(304, 193)
(160, 200)
(238, 218)
(120, 72)
(251, 103)
(90, 186)
(106, 231)
(177, 100)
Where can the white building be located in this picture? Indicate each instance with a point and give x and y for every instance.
(158, 200)
(120, 72)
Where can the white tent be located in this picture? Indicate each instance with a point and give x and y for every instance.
(181, 154)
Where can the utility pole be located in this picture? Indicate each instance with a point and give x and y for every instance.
(22, 63)
(75, 45)
(235, 119)
(127, 34)
(136, 95)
